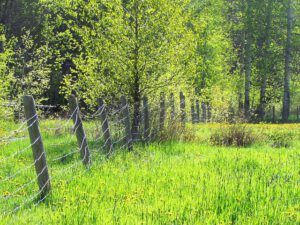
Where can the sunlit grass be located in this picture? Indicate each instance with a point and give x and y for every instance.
(168, 183)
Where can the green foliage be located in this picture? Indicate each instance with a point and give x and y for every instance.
(130, 47)
(5, 53)
(111, 47)
(5, 75)
(30, 69)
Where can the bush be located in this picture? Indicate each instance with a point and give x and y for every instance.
(281, 139)
(233, 135)
(176, 131)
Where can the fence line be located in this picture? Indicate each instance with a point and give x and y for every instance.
(114, 127)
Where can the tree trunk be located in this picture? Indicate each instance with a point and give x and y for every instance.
(136, 114)
(265, 69)
(136, 95)
(287, 69)
(248, 56)
(262, 100)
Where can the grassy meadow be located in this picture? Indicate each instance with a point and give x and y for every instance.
(188, 181)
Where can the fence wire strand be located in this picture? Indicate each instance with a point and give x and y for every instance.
(115, 117)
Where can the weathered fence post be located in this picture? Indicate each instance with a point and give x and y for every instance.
(172, 102)
(193, 112)
(182, 107)
(126, 114)
(78, 129)
(231, 114)
(162, 111)
(146, 120)
(105, 127)
(273, 114)
(203, 112)
(37, 146)
(209, 114)
(197, 111)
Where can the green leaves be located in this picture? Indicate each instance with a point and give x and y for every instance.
(5, 54)
(105, 48)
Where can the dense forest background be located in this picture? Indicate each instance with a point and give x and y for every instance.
(237, 56)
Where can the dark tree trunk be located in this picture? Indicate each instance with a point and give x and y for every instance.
(136, 95)
(136, 112)
(248, 59)
(287, 69)
(265, 70)
(241, 104)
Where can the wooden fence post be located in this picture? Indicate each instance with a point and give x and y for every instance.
(203, 112)
(273, 114)
(209, 115)
(37, 146)
(193, 112)
(197, 111)
(172, 102)
(105, 128)
(182, 107)
(162, 112)
(231, 114)
(78, 129)
(146, 120)
(127, 122)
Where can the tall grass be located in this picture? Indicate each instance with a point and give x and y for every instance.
(166, 183)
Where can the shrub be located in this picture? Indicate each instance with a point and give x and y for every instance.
(281, 139)
(176, 131)
(233, 135)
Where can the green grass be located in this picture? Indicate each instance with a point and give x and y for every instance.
(167, 183)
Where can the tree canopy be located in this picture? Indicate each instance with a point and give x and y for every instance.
(231, 55)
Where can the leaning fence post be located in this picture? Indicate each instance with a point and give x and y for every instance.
(172, 102)
(193, 112)
(162, 111)
(203, 112)
(182, 106)
(37, 146)
(209, 116)
(273, 114)
(80, 133)
(126, 114)
(197, 111)
(146, 120)
(105, 127)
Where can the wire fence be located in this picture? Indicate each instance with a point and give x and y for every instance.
(71, 144)
(19, 175)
